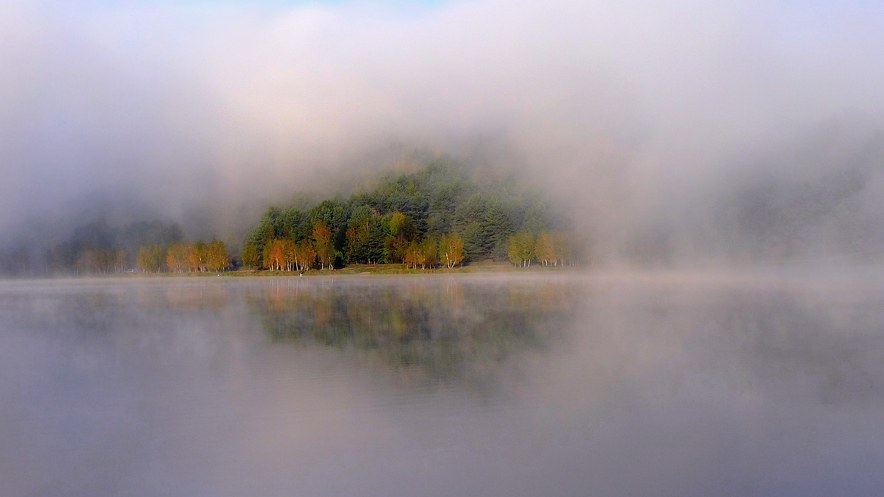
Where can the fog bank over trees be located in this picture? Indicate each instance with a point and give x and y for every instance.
(675, 132)
(814, 197)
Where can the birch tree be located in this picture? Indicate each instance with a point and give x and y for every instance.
(520, 248)
(217, 259)
(325, 250)
(545, 250)
(150, 258)
(451, 250)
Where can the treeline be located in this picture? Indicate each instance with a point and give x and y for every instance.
(184, 258)
(548, 249)
(99, 248)
(444, 214)
(95, 247)
(318, 252)
(93, 260)
(436, 216)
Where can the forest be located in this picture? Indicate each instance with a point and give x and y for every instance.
(444, 214)
(437, 216)
(94, 247)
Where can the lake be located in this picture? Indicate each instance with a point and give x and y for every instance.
(542, 384)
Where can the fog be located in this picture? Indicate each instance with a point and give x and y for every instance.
(675, 131)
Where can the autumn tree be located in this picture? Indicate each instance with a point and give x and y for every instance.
(545, 250)
(451, 250)
(120, 260)
(94, 260)
(201, 255)
(267, 255)
(280, 255)
(428, 254)
(289, 254)
(322, 241)
(422, 255)
(250, 256)
(274, 256)
(411, 255)
(561, 247)
(189, 258)
(520, 248)
(85, 262)
(150, 258)
(306, 255)
(217, 259)
(177, 258)
(194, 261)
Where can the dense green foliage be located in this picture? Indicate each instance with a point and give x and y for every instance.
(438, 214)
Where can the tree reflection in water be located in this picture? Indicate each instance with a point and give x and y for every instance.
(442, 329)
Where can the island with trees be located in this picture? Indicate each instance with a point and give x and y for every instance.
(435, 217)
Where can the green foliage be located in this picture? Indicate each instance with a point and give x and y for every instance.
(497, 228)
(401, 225)
(544, 249)
(429, 255)
(296, 224)
(392, 221)
(451, 250)
(474, 241)
(332, 213)
(521, 249)
(250, 257)
(266, 230)
(365, 236)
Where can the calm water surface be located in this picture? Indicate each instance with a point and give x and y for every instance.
(540, 385)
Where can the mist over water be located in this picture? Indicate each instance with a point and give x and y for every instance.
(673, 134)
(613, 384)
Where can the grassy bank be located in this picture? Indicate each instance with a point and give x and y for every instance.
(386, 269)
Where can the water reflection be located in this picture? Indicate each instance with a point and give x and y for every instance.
(780, 341)
(445, 330)
(198, 295)
(507, 385)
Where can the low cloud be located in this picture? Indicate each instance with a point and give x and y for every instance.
(635, 113)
